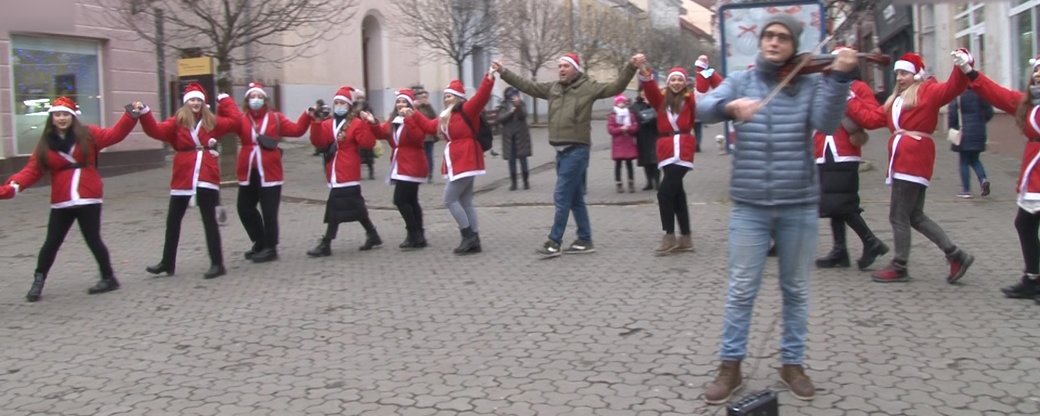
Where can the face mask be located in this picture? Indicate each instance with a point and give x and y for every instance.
(1034, 94)
(340, 111)
(256, 103)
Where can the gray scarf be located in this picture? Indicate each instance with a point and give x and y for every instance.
(769, 71)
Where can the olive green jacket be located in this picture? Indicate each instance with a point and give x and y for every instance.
(570, 105)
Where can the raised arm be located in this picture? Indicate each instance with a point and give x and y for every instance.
(607, 90)
(652, 93)
(944, 92)
(863, 108)
(427, 125)
(993, 93)
(105, 137)
(165, 131)
(291, 129)
(475, 105)
(227, 124)
(534, 89)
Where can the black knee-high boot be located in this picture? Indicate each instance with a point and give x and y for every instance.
(839, 255)
(872, 246)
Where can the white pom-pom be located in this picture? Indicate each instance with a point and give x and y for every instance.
(1032, 61)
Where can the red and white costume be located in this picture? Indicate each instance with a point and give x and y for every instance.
(911, 151)
(194, 164)
(1028, 186)
(408, 154)
(345, 167)
(463, 156)
(252, 155)
(74, 176)
(865, 111)
(676, 144)
(705, 78)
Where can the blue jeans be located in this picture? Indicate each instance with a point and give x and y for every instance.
(428, 147)
(569, 194)
(970, 158)
(751, 227)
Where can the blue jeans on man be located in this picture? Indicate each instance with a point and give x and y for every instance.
(569, 193)
(751, 227)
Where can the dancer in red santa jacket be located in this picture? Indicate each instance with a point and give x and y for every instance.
(408, 165)
(705, 80)
(838, 157)
(191, 133)
(259, 170)
(340, 138)
(676, 108)
(1026, 109)
(463, 155)
(912, 112)
(68, 150)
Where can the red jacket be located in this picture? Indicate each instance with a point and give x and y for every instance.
(193, 165)
(70, 185)
(345, 167)
(408, 154)
(252, 155)
(676, 145)
(706, 83)
(1028, 186)
(463, 156)
(911, 151)
(863, 109)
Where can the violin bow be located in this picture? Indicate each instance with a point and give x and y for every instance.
(794, 72)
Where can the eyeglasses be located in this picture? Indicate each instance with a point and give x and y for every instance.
(779, 36)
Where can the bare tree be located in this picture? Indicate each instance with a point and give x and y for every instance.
(535, 34)
(224, 28)
(666, 48)
(452, 29)
(597, 33)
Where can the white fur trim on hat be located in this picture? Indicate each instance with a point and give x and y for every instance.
(456, 93)
(56, 108)
(340, 97)
(905, 66)
(194, 94)
(255, 89)
(406, 98)
(676, 73)
(571, 61)
(1034, 63)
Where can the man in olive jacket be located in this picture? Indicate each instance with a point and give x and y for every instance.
(570, 126)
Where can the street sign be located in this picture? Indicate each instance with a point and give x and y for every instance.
(741, 22)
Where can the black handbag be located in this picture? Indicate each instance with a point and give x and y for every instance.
(647, 115)
(268, 142)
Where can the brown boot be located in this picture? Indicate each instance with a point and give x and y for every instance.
(795, 379)
(727, 382)
(685, 243)
(668, 244)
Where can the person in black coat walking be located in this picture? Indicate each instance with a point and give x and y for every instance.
(969, 113)
(646, 140)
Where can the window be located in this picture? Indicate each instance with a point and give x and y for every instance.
(44, 68)
(970, 28)
(1024, 40)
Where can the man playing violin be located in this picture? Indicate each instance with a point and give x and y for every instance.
(775, 192)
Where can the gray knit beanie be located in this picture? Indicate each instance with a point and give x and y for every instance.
(790, 22)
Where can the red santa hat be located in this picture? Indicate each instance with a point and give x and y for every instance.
(680, 71)
(407, 94)
(64, 104)
(572, 59)
(912, 63)
(194, 90)
(1035, 62)
(344, 93)
(456, 88)
(256, 87)
(702, 62)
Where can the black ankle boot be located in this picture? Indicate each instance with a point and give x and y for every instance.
(1027, 288)
(324, 248)
(160, 268)
(265, 255)
(872, 249)
(420, 238)
(37, 287)
(214, 271)
(469, 242)
(373, 241)
(252, 251)
(838, 257)
(512, 182)
(527, 185)
(409, 241)
(106, 284)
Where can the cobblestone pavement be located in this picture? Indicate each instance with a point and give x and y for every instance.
(618, 332)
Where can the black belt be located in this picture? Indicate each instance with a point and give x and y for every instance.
(571, 147)
(72, 166)
(674, 133)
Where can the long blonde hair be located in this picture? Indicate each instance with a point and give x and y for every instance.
(445, 116)
(909, 97)
(186, 118)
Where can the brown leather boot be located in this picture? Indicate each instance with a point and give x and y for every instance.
(685, 243)
(795, 379)
(668, 244)
(727, 382)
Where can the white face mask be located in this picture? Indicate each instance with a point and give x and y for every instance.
(256, 103)
(340, 110)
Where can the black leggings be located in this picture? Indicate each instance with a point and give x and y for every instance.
(1027, 225)
(261, 225)
(61, 219)
(406, 199)
(671, 199)
(207, 202)
(653, 176)
(617, 170)
(333, 228)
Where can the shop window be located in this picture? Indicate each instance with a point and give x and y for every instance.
(44, 68)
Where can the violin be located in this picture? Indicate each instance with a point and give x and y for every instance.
(817, 63)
